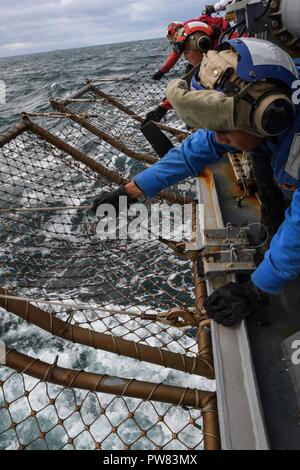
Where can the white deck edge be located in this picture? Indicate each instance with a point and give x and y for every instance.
(242, 424)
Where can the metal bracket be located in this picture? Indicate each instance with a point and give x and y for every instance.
(227, 250)
(250, 12)
(241, 168)
(243, 174)
(226, 236)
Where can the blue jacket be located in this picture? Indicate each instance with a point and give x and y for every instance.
(282, 261)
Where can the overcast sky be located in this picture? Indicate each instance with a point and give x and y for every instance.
(43, 25)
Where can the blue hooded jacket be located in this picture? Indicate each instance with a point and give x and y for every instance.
(282, 262)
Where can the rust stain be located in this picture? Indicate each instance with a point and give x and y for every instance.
(207, 176)
(234, 189)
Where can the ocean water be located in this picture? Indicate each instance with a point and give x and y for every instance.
(31, 81)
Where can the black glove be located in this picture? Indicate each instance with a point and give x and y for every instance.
(112, 198)
(210, 9)
(232, 303)
(156, 114)
(158, 76)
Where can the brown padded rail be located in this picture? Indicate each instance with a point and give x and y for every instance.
(118, 386)
(13, 132)
(80, 93)
(48, 322)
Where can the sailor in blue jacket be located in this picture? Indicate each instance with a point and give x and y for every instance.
(255, 95)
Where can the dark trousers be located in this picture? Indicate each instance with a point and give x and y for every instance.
(274, 201)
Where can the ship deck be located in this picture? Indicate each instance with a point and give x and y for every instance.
(257, 394)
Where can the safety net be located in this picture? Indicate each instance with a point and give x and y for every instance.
(105, 343)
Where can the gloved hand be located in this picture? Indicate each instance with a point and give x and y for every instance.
(156, 114)
(158, 76)
(232, 303)
(209, 9)
(112, 197)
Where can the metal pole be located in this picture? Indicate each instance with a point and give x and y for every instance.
(48, 322)
(129, 112)
(13, 133)
(71, 378)
(142, 157)
(73, 152)
(211, 429)
(110, 175)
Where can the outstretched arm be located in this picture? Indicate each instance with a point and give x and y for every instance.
(187, 160)
(170, 62)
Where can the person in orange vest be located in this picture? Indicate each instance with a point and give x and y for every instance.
(218, 24)
(193, 40)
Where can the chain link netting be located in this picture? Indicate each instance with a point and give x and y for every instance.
(50, 254)
(36, 415)
(140, 92)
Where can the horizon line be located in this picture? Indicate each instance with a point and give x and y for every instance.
(76, 48)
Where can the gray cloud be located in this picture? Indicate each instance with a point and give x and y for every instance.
(35, 26)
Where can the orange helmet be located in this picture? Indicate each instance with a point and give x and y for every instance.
(187, 31)
(173, 29)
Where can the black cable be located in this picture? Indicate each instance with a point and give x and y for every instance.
(265, 11)
(243, 31)
(231, 30)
